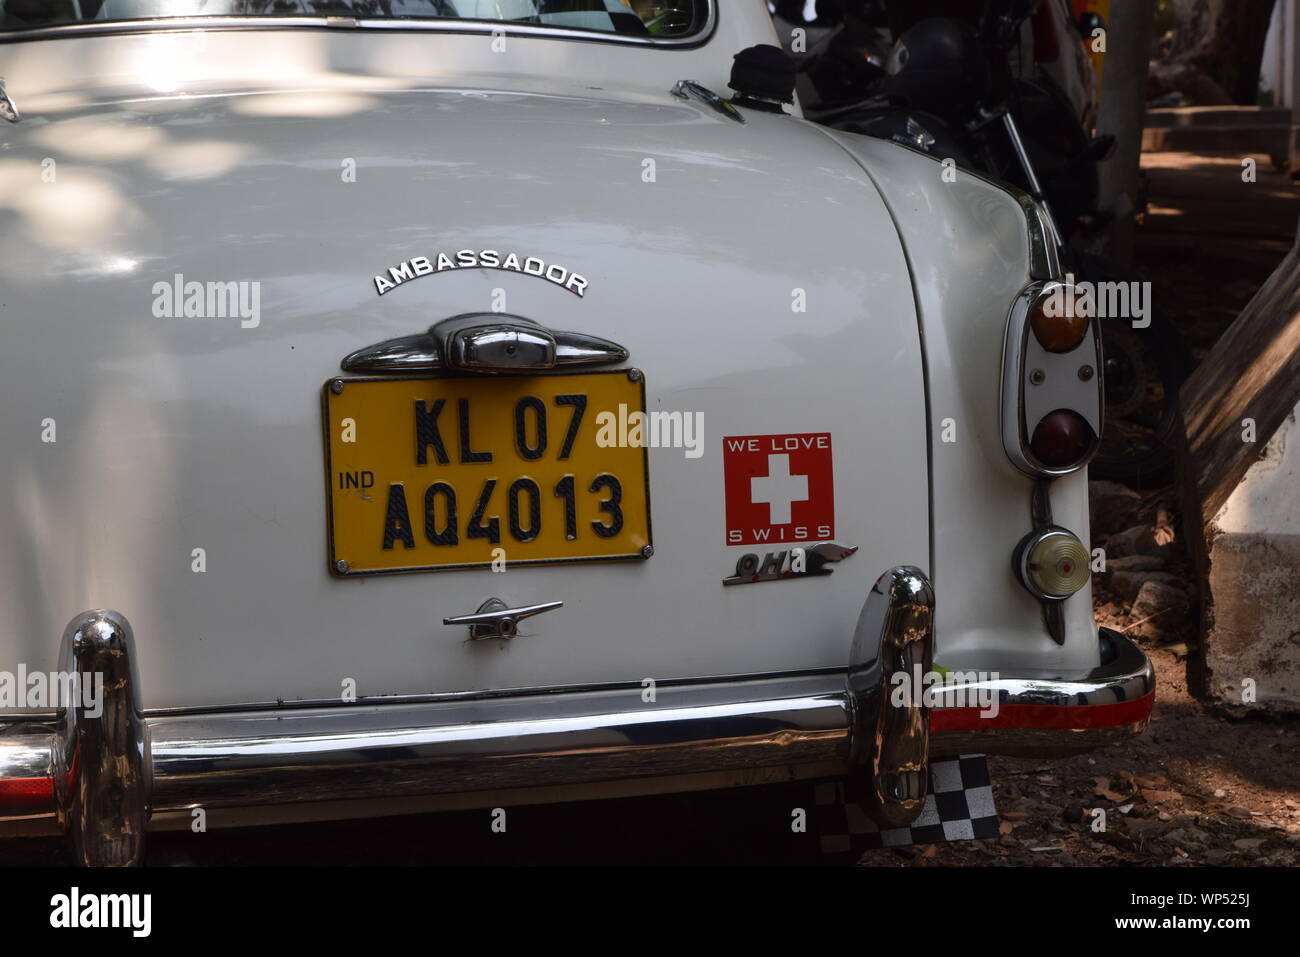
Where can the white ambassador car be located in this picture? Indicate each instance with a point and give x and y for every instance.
(454, 403)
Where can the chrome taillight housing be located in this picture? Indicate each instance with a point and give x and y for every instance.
(1051, 382)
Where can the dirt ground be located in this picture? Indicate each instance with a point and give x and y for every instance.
(1197, 788)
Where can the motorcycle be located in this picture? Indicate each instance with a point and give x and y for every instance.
(970, 88)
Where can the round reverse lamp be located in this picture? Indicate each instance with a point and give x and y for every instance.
(1053, 563)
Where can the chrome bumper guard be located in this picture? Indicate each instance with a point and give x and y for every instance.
(105, 779)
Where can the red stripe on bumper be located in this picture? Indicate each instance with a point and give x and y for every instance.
(26, 791)
(1067, 717)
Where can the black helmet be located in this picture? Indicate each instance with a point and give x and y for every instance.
(939, 67)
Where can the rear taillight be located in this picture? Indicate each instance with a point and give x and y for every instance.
(1051, 382)
(1051, 426)
(1061, 438)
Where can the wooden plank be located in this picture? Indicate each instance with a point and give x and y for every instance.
(1252, 372)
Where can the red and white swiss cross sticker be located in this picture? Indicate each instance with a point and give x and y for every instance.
(779, 488)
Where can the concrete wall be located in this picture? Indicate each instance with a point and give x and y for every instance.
(1252, 620)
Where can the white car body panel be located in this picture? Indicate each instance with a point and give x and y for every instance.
(179, 434)
(980, 500)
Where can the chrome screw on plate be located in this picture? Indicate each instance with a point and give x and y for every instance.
(634, 375)
(337, 386)
(647, 551)
(341, 567)
(1038, 377)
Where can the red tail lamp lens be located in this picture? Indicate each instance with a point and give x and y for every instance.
(1061, 438)
(1059, 321)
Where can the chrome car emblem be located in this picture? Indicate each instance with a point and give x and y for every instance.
(418, 266)
(796, 562)
(485, 342)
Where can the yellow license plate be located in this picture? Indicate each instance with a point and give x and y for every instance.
(425, 474)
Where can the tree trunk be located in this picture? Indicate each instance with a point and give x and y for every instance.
(1224, 39)
(1121, 113)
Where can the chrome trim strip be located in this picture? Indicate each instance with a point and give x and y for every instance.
(690, 90)
(1022, 155)
(488, 27)
(371, 701)
(1044, 249)
(258, 759)
(1128, 676)
(1044, 252)
(101, 758)
(7, 107)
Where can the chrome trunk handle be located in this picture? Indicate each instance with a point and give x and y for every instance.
(485, 342)
(494, 620)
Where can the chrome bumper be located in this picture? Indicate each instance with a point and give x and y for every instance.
(106, 780)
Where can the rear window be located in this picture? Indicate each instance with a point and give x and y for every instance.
(651, 19)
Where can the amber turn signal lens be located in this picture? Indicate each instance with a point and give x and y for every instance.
(1058, 320)
(1061, 439)
(1054, 563)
